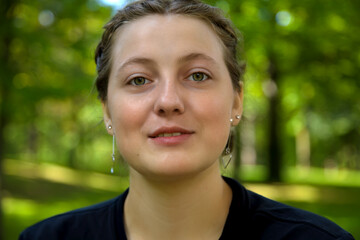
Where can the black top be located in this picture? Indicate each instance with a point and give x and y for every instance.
(251, 216)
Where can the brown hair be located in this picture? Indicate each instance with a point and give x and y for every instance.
(195, 8)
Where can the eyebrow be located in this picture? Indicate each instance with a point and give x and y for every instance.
(136, 60)
(150, 62)
(195, 56)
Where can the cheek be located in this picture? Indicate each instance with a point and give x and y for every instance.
(127, 115)
(216, 125)
(215, 108)
(215, 113)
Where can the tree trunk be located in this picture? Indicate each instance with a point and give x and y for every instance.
(274, 154)
(6, 74)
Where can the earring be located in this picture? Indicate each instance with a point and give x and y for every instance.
(227, 155)
(113, 155)
(113, 151)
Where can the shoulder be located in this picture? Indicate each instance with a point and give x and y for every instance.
(84, 223)
(292, 223)
(269, 219)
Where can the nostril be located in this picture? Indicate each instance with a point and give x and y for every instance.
(167, 111)
(170, 103)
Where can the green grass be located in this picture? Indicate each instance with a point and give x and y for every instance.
(33, 192)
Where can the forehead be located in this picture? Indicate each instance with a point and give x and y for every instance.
(169, 35)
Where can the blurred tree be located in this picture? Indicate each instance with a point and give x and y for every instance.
(301, 104)
(52, 50)
(301, 82)
(7, 71)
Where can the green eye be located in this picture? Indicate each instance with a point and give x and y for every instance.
(198, 76)
(138, 81)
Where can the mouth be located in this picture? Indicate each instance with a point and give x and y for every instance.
(169, 132)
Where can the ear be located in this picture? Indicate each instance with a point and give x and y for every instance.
(238, 104)
(107, 118)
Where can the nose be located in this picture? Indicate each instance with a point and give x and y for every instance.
(169, 100)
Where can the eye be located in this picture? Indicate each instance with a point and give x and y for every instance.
(138, 81)
(198, 77)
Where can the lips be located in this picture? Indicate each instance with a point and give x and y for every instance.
(170, 136)
(169, 132)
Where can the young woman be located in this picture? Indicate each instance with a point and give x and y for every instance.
(170, 87)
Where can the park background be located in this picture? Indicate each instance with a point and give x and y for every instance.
(298, 141)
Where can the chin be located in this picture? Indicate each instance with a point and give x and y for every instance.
(170, 170)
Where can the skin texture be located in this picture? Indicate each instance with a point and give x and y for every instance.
(169, 76)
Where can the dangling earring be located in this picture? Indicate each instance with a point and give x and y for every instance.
(227, 155)
(113, 151)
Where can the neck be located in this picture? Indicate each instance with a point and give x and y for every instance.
(191, 208)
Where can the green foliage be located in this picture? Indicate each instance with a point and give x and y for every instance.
(55, 117)
(314, 46)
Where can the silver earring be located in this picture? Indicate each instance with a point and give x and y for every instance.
(113, 155)
(113, 151)
(227, 155)
(238, 116)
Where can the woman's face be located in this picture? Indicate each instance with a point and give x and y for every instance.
(170, 96)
